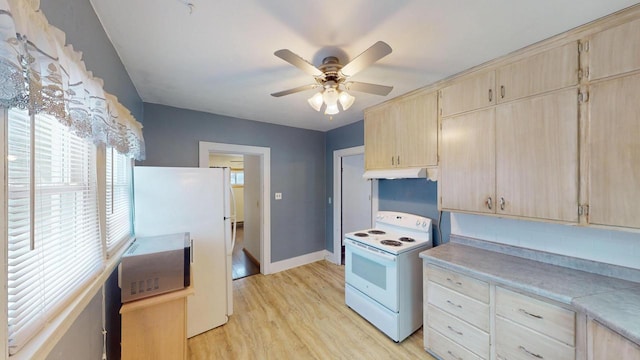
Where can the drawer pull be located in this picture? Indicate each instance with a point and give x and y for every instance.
(454, 304)
(454, 355)
(537, 356)
(454, 282)
(454, 330)
(530, 314)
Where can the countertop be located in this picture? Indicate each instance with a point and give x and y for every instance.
(612, 301)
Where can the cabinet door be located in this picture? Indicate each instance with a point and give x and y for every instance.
(614, 152)
(537, 157)
(379, 139)
(615, 51)
(474, 92)
(605, 344)
(417, 130)
(550, 70)
(467, 162)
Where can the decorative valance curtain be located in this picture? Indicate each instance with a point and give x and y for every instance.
(39, 73)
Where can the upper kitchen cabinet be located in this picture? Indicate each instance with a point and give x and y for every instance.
(614, 151)
(402, 133)
(467, 162)
(553, 69)
(614, 51)
(380, 145)
(470, 93)
(537, 157)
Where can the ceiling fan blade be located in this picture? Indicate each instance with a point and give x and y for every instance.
(368, 57)
(295, 90)
(297, 61)
(368, 88)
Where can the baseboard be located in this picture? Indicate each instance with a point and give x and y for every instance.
(250, 256)
(298, 261)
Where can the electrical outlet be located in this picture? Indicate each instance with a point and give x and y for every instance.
(278, 196)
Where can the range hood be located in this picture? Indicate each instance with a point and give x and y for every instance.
(406, 173)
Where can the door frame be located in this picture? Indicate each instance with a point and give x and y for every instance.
(336, 258)
(206, 148)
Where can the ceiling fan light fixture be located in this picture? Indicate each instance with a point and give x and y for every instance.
(316, 101)
(346, 100)
(331, 109)
(330, 97)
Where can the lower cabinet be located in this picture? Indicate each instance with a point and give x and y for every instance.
(459, 321)
(605, 344)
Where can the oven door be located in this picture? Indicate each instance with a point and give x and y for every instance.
(373, 272)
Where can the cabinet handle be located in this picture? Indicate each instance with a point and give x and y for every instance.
(502, 91)
(530, 314)
(454, 330)
(398, 159)
(454, 304)
(454, 282)
(393, 159)
(454, 355)
(501, 203)
(537, 356)
(490, 95)
(489, 203)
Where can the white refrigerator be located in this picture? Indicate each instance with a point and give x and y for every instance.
(196, 200)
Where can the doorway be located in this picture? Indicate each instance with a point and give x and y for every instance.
(259, 159)
(354, 197)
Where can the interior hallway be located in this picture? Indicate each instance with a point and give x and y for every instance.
(242, 266)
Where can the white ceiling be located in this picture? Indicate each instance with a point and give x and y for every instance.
(219, 58)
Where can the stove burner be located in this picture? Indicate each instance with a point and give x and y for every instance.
(361, 234)
(407, 239)
(391, 242)
(376, 232)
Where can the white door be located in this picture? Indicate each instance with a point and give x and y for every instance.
(356, 195)
(173, 200)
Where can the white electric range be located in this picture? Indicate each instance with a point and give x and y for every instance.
(383, 272)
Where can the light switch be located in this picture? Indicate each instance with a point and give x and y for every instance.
(278, 196)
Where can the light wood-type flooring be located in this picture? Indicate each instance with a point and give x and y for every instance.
(299, 314)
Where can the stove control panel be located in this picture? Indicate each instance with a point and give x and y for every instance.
(403, 220)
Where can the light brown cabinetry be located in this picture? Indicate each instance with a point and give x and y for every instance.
(457, 315)
(402, 133)
(518, 158)
(605, 344)
(614, 51)
(549, 70)
(614, 152)
(469, 93)
(156, 328)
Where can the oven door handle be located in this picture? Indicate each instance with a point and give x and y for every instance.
(372, 251)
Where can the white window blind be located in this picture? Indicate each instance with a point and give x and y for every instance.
(118, 212)
(54, 245)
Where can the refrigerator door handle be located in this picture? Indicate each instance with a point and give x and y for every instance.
(233, 220)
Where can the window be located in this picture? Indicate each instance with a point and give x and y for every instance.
(118, 200)
(54, 245)
(237, 178)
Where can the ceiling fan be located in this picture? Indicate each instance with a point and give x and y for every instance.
(332, 77)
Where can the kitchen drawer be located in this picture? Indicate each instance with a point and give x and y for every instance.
(459, 331)
(446, 349)
(464, 307)
(469, 286)
(552, 320)
(514, 341)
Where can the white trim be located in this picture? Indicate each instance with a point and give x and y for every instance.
(299, 261)
(4, 348)
(207, 148)
(42, 344)
(336, 258)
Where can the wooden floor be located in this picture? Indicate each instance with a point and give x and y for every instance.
(299, 314)
(241, 264)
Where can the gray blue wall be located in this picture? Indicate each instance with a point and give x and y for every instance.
(84, 31)
(345, 137)
(297, 167)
